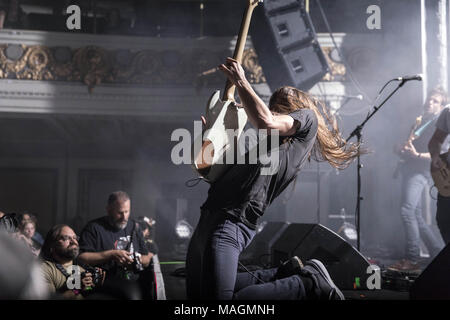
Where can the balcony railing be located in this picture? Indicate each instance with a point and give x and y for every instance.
(53, 72)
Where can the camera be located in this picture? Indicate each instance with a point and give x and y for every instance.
(96, 275)
(137, 265)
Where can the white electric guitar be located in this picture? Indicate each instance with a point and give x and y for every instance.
(210, 150)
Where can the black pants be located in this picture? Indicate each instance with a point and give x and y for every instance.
(212, 265)
(443, 217)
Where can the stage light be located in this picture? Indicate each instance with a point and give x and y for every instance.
(260, 226)
(348, 232)
(183, 229)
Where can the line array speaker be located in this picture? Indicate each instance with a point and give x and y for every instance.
(285, 41)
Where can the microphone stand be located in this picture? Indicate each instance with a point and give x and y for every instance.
(343, 104)
(358, 134)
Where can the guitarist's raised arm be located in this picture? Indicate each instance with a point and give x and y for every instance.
(258, 113)
(435, 145)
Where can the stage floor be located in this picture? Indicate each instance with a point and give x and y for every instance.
(375, 295)
(175, 289)
(394, 285)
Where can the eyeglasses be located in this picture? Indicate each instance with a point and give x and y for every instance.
(66, 238)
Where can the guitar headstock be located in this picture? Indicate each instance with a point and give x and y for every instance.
(254, 3)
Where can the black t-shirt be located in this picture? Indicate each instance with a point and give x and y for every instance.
(99, 235)
(423, 133)
(151, 246)
(244, 192)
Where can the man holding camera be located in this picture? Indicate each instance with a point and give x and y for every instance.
(62, 276)
(114, 242)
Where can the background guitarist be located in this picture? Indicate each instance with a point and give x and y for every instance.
(435, 146)
(415, 178)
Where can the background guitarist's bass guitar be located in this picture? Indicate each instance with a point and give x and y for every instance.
(210, 150)
(441, 177)
(398, 149)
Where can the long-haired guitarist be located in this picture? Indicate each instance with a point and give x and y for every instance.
(440, 171)
(416, 178)
(236, 201)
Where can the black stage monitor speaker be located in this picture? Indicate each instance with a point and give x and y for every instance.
(259, 251)
(285, 41)
(347, 267)
(174, 278)
(434, 282)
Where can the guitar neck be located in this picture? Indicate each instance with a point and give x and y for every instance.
(412, 134)
(228, 93)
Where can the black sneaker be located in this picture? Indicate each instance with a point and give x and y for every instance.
(323, 286)
(289, 268)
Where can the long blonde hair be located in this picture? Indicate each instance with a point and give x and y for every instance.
(329, 145)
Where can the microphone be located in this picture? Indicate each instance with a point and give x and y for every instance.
(357, 97)
(408, 78)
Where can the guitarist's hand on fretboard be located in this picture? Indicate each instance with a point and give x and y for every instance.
(234, 71)
(409, 151)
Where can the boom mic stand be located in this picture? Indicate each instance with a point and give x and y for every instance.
(358, 133)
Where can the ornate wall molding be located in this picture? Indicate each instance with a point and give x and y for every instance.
(48, 72)
(93, 65)
(34, 55)
(97, 64)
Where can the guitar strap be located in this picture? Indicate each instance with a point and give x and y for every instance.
(62, 269)
(67, 275)
(132, 237)
(420, 130)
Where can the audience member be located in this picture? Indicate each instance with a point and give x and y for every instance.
(59, 251)
(114, 243)
(26, 217)
(146, 225)
(27, 229)
(19, 271)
